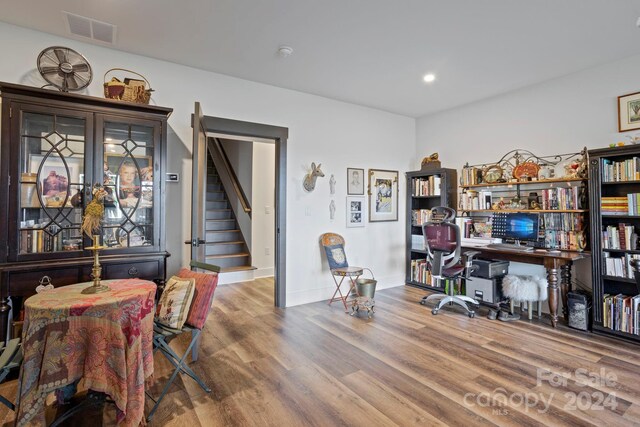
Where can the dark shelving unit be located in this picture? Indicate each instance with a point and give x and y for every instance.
(446, 197)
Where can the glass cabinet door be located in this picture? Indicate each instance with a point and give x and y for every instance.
(128, 166)
(51, 182)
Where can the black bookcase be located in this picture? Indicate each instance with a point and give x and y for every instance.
(614, 173)
(425, 190)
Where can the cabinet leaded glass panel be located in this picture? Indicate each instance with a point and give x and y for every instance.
(51, 183)
(128, 178)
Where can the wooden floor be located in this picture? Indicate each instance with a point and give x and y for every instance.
(313, 365)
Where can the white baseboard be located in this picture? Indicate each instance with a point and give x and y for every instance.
(263, 272)
(307, 296)
(235, 277)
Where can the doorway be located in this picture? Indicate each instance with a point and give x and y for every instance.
(216, 127)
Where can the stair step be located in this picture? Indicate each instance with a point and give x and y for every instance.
(234, 255)
(217, 205)
(224, 248)
(241, 268)
(216, 196)
(215, 236)
(219, 214)
(214, 187)
(229, 260)
(220, 224)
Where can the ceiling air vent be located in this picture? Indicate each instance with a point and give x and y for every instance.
(90, 28)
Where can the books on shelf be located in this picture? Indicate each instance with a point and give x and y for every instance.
(471, 175)
(476, 200)
(614, 205)
(633, 203)
(621, 313)
(619, 266)
(417, 242)
(621, 237)
(625, 170)
(563, 231)
(420, 273)
(420, 216)
(561, 198)
(426, 186)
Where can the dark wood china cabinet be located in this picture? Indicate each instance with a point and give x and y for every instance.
(54, 148)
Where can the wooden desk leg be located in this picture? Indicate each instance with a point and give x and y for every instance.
(565, 287)
(554, 293)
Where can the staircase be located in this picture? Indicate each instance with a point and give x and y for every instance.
(225, 245)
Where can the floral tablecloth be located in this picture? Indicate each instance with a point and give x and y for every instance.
(105, 339)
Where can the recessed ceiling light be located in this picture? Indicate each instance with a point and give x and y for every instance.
(429, 77)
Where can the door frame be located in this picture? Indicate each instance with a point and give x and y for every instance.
(280, 135)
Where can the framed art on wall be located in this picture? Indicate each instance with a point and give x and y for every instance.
(383, 195)
(355, 181)
(629, 112)
(355, 211)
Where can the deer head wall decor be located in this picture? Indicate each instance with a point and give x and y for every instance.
(309, 182)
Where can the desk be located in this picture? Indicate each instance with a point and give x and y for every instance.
(551, 262)
(105, 339)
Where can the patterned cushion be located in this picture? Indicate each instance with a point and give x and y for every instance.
(175, 301)
(205, 287)
(336, 256)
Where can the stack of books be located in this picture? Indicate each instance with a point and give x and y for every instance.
(614, 205)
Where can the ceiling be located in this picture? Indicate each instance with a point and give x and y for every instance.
(367, 52)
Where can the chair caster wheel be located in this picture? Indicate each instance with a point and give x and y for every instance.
(472, 314)
(434, 311)
(423, 302)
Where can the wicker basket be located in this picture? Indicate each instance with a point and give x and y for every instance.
(130, 90)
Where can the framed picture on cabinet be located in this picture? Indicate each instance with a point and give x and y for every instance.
(383, 195)
(629, 112)
(131, 183)
(355, 181)
(55, 179)
(355, 211)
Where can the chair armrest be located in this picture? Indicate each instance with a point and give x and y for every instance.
(468, 262)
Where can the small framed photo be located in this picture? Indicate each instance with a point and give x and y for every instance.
(355, 211)
(383, 195)
(629, 112)
(355, 181)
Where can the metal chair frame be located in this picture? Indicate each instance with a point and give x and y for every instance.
(162, 336)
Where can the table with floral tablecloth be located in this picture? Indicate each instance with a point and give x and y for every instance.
(106, 339)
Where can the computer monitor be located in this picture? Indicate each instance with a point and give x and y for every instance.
(516, 225)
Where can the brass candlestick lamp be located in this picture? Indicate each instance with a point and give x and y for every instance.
(93, 214)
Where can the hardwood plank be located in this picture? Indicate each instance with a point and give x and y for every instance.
(314, 365)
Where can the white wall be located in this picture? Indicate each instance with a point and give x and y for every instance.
(557, 116)
(336, 134)
(262, 203)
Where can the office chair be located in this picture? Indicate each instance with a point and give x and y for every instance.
(442, 242)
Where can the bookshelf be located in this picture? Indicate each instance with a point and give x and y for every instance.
(554, 187)
(425, 190)
(614, 193)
